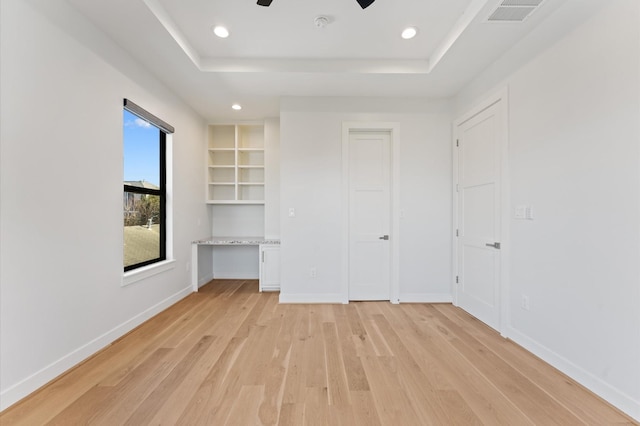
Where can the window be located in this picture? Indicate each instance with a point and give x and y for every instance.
(144, 201)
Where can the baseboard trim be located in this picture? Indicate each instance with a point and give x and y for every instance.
(339, 298)
(333, 298)
(426, 298)
(601, 388)
(235, 276)
(34, 382)
(203, 280)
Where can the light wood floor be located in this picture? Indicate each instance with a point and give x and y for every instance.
(230, 355)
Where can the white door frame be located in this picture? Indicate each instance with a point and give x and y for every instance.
(501, 97)
(394, 131)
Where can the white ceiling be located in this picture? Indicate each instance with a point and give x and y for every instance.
(286, 29)
(278, 51)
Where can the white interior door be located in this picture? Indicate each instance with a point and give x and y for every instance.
(479, 142)
(369, 215)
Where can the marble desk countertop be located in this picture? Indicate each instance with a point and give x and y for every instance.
(235, 241)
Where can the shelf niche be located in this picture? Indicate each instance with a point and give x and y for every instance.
(235, 163)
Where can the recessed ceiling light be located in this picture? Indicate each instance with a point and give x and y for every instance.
(237, 107)
(221, 31)
(409, 33)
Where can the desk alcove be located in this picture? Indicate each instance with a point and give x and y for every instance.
(268, 258)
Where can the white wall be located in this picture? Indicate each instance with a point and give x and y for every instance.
(574, 123)
(240, 262)
(61, 193)
(272, 178)
(311, 182)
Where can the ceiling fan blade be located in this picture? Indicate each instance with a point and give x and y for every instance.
(365, 3)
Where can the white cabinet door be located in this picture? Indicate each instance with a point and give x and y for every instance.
(269, 267)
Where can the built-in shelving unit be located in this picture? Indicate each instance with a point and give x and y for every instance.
(235, 163)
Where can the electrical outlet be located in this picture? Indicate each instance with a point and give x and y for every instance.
(525, 303)
(313, 272)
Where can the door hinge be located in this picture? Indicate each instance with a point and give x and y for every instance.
(263, 256)
(457, 233)
(457, 280)
(457, 142)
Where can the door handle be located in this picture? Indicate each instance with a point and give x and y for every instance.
(384, 237)
(494, 245)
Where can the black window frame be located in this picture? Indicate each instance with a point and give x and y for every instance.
(164, 129)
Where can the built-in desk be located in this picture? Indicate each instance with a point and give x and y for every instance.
(268, 264)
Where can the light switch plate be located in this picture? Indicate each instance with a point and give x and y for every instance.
(528, 214)
(524, 212)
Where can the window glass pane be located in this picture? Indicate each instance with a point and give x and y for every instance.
(141, 228)
(143, 232)
(141, 152)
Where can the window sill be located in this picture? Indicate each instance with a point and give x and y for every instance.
(145, 272)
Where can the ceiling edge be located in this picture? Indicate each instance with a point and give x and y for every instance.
(467, 17)
(170, 26)
(313, 65)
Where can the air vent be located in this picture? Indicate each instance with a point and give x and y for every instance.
(514, 10)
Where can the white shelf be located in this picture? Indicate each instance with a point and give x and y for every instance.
(235, 161)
